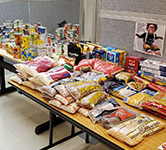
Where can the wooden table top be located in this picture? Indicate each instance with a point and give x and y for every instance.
(9, 56)
(149, 143)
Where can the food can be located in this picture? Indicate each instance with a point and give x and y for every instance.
(17, 52)
(7, 47)
(48, 39)
(31, 54)
(39, 23)
(4, 41)
(25, 40)
(41, 52)
(0, 40)
(70, 36)
(24, 56)
(49, 51)
(31, 29)
(68, 26)
(11, 48)
(33, 39)
(18, 38)
(59, 34)
(42, 30)
(59, 49)
(41, 40)
(76, 27)
(11, 34)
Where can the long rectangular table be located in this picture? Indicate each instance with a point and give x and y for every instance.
(6, 65)
(85, 124)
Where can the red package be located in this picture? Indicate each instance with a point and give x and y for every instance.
(132, 63)
(106, 68)
(84, 63)
(156, 87)
(121, 113)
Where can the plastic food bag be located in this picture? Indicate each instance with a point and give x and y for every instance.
(80, 90)
(92, 99)
(84, 111)
(71, 108)
(53, 75)
(85, 63)
(16, 79)
(36, 80)
(48, 90)
(125, 76)
(64, 100)
(119, 115)
(41, 65)
(56, 103)
(136, 86)
(101, 107)
(106, 68)
(62, 90)
(137, 99)
(68, 60)
(29, 84)
(156, 105)
(135, 130)
(45, 95)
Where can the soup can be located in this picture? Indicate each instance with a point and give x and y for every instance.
(17, 52)
(24, 56)
(31, 29)
(18, 38)
(41, 40)
(25, 40)
(59, 34)
(68, 26)
(33, 39)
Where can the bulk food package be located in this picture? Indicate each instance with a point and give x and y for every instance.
(86, 90)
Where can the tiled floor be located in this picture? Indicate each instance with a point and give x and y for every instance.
(18, 118)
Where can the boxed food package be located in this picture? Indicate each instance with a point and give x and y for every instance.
(112, 57)
(132, 63)
(122, 57)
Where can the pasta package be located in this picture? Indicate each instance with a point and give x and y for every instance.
(48, 90)
(84, 111)
(62, 90)
(71, 108)
(137, 99)
(156, 105)
(92, 99)
(136, 86)
(82, 89)
(101, 107)
(64, 100)
(133, 131)
(125, 76)
(123, 91)
(56, 103)
(116, 116)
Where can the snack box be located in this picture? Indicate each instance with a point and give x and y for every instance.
(122, 57)
(132, 63)
(112, 57)
(99, 53)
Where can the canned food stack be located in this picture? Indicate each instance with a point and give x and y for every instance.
(70, 33)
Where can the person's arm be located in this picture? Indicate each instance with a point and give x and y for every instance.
(158, 37)
(140, 36)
